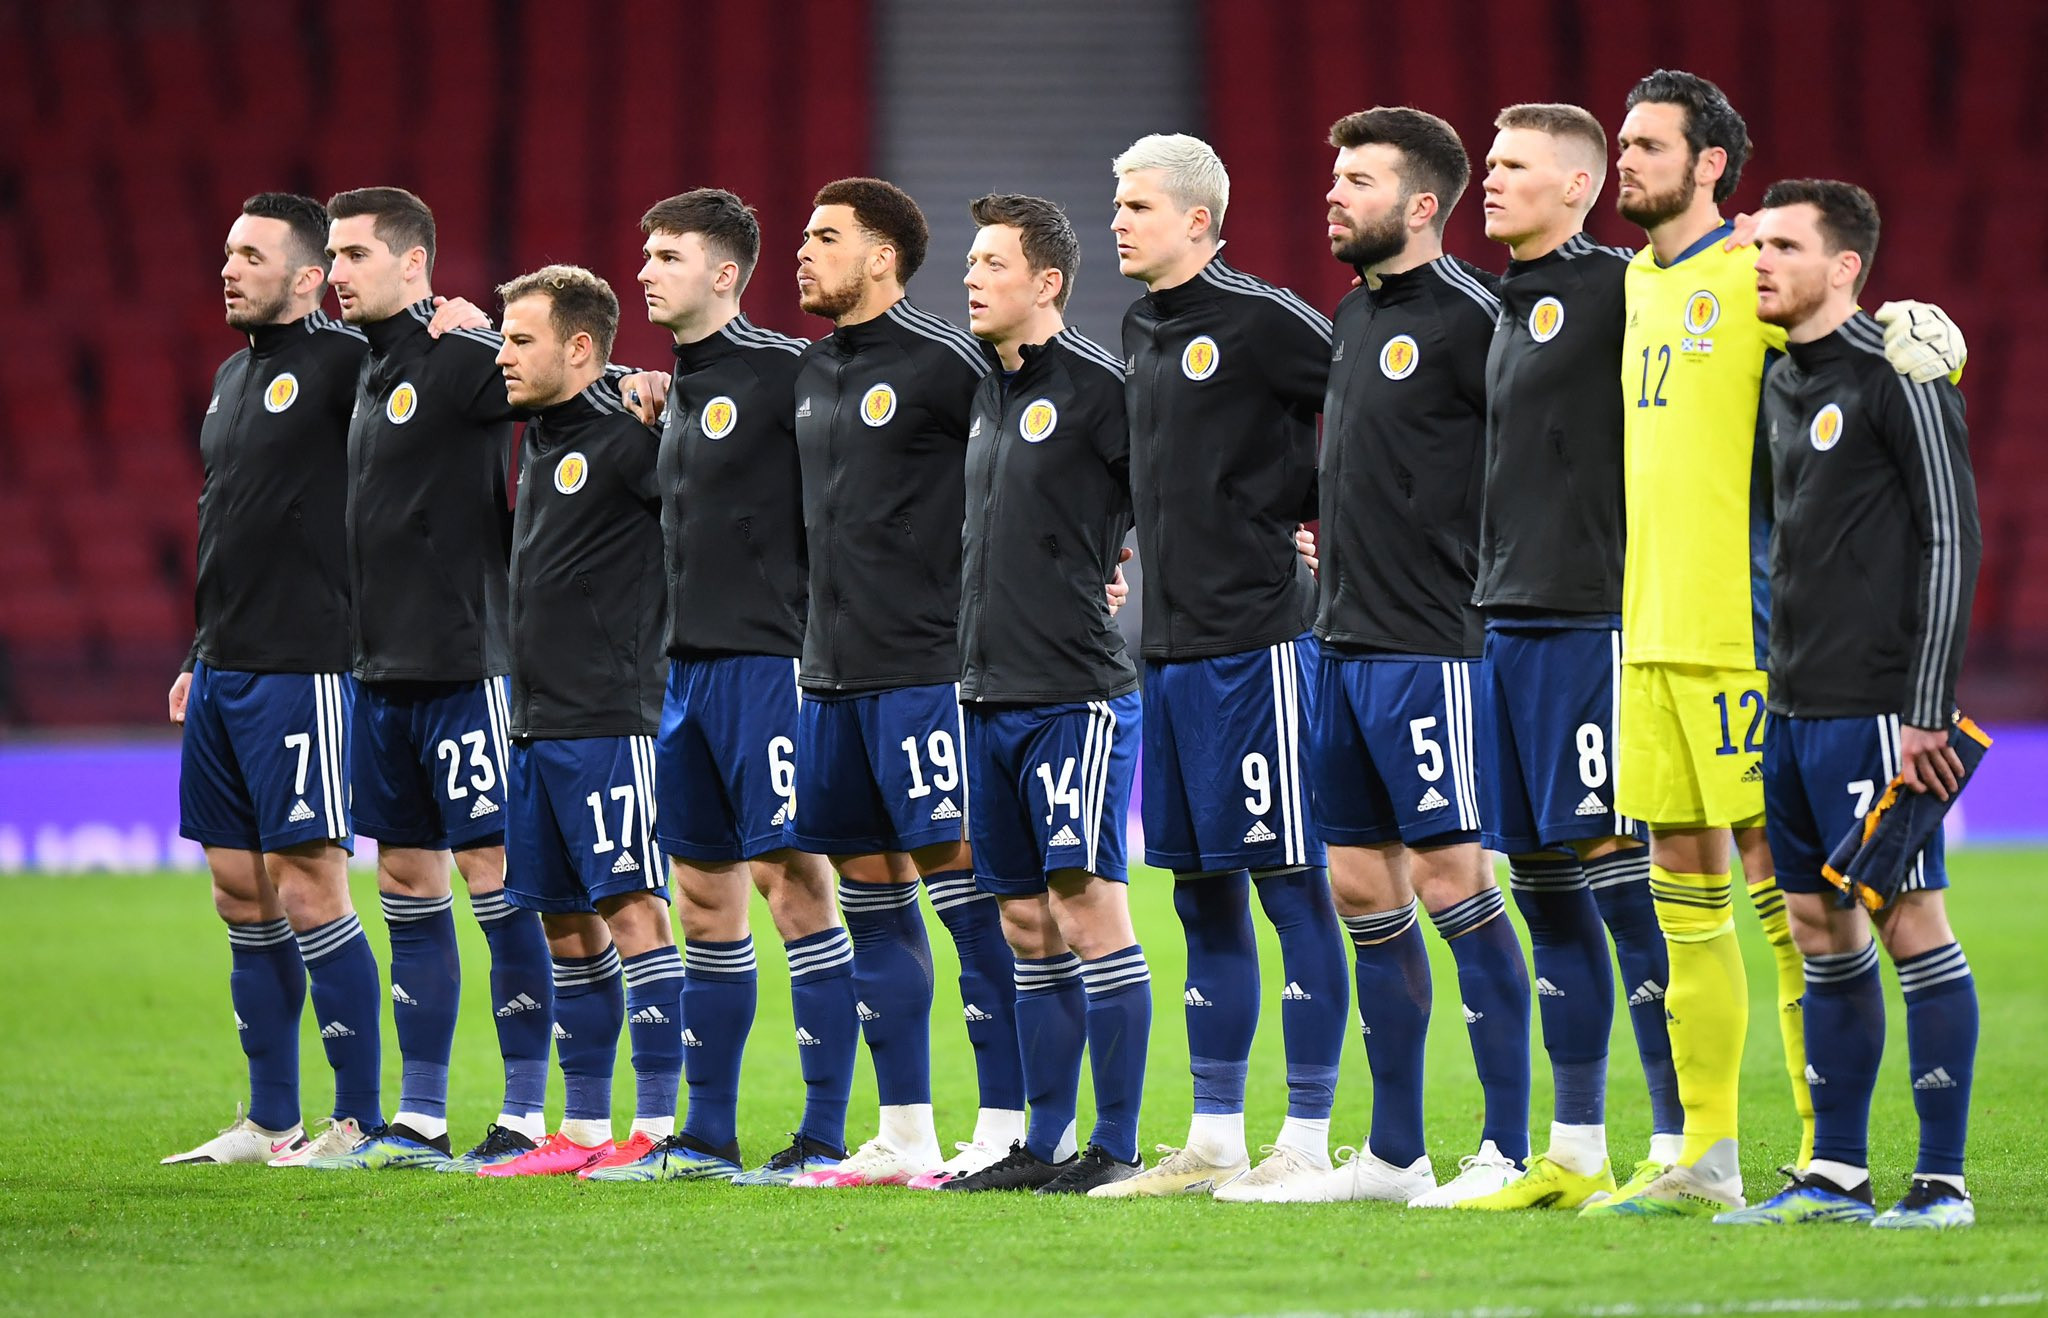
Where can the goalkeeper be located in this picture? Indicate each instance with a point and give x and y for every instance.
(1873, 561)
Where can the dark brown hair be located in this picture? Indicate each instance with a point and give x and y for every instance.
(727, 225)
(1433, 160)
(1848, 215)
(403, 221)
(1043, 229)
(886, 214)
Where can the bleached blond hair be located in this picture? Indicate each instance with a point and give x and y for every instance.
(1189, 169)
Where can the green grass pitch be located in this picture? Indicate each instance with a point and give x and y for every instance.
(116, 1049)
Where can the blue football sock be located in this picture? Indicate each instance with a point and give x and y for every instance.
(1119, 1022)
(267, 985)
(1844, 1016)
(1941, 1045)
(426, 992)
(988, 992)
(654, 1028)
(892, 985)
(1620, 882)
(1493, 982)
(1393, 1011)
(1221, 994)
(522, 998)
(719, 994)
(348, 1007)
(1316, 1001)
(1574, 981)
(827, 1032)
(1050, 1009)
(590, 1006)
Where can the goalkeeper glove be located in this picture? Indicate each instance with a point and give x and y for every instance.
(1920, 341)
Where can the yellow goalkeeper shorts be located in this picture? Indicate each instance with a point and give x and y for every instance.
(1689, 746)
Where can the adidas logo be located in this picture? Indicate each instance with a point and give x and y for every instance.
(865, 1012)
(1755, 773)
(946, 810)
(336, 1030)
(1295, 993)
(654, 1016)
(240, 1024)
(625, 864)
(1193, 998)
(213, 406)
(781, 816)
(561, 1033)
(805, 1039)
(1338, 354)
(484, 806)
(301, 812)
(1592, 805)
(1546, 989)
(1432, 800)
(1938, 1078)
(1258, 832)
(517, 1005)
(974, 1014)
(974, 431)
(1813, 1077)
(1647, 992)
(803, 409)
(690, 1039)
(1064, 838)
(1471, 1017)
(402, 998)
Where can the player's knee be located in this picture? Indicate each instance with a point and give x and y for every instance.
(1029, 927)
(236, 907)
(877, 867)
(575, 934)
(1689, 850)
(1754, 846)
(1814, 931)
(1916, 922)
(943, 858)
(1094, 915)
(639, 922)
(1444, 876)
(482, 868)
(1369, 880)
(412, 871)
(710, 913)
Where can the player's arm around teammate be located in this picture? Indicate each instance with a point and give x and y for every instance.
(264, 700)
(1049, 698)
(1874, 555)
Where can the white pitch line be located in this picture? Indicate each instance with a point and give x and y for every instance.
(1785, 1304)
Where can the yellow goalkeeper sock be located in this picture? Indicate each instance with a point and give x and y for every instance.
(1770, 909)
(1706, 1002)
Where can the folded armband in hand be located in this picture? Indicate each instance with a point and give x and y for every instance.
(1870, 864)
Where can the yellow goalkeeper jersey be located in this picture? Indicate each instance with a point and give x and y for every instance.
(1696, 577)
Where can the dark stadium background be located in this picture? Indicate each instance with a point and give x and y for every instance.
(539, 132)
